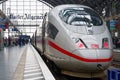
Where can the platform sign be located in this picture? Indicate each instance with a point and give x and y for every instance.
(112, 24)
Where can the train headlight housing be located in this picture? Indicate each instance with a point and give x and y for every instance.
(94, 46)
(105, 43)
(79, 43)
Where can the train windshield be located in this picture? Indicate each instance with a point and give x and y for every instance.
(78, 16)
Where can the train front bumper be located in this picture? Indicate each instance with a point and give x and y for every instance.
(92, 59)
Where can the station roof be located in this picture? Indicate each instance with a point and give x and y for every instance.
(91, 3)
(85, 2)
(97, 5)
(1, 1)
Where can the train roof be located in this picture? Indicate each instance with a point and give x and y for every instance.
(61, 7)
(58, 8)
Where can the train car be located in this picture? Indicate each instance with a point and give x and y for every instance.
(76, 39)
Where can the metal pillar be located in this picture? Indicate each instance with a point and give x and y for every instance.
(4, 7)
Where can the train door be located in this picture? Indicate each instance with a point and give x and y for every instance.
(43, 33)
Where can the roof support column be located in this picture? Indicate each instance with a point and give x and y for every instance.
(4, 7)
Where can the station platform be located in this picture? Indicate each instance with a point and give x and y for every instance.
(23, 63)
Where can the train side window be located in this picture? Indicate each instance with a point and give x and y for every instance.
(52, 31)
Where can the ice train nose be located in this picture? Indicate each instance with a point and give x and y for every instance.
(93, 55)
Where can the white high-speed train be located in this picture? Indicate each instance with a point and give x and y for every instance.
(76, 39)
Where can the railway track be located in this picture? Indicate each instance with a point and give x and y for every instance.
(116, 63)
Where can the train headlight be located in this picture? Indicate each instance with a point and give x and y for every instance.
(79, 43)
(105, 43)
(94, 46)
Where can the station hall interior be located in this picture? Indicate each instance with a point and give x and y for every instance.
(25, 16)
(22, 18)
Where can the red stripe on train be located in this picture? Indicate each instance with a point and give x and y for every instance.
(76, 56)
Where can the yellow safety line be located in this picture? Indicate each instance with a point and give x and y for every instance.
(19, 72)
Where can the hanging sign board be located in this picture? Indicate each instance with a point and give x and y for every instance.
(112, 24)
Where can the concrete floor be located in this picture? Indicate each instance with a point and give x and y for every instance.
(9, 58)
